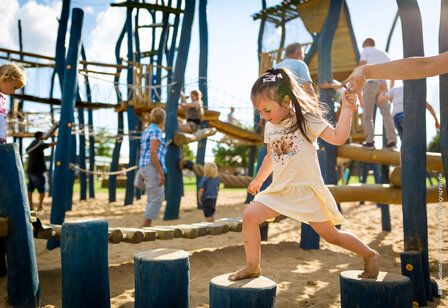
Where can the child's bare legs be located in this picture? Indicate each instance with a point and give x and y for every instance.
(352, 243)
(185, 127)
(253, 216)
(145, 223)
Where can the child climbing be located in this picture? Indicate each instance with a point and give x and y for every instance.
(194, 112)
(294, 121)
(12, 78)
(208, 191)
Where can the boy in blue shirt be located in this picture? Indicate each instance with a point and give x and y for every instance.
(208, 191)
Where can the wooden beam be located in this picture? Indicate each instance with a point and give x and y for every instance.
(28, 63)
(183, 138)
(149, 6)
(155, 25)
(56, 101)
(385, 157)
(378, 193)
(34, 55)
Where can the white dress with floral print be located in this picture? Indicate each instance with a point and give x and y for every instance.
(298, 190)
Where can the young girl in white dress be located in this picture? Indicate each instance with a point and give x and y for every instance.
(294, 121)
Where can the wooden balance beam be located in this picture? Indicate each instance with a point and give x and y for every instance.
(385, 157)
(183, 138)
(378, 193)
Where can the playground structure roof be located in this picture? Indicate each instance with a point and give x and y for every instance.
(313, 13)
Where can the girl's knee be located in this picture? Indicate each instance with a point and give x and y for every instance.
(250, 215)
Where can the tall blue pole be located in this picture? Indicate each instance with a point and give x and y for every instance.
(174, 179)
(60, 41)
(203, 74)
(120, 123)
(325, 44)
(22, 90)
(413, 149)
(23, 279)
(132, 121)
(82, 156)
(69, 90)
(90, 130)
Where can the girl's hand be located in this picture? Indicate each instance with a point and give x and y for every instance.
(254, 186)
(349, 100)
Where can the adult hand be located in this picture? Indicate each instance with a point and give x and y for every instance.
(254, 186)
(162, 179)
(357, 80)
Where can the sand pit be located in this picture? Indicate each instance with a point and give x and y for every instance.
(304, 278)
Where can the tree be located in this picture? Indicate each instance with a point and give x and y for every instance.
(233, 155)
(434, 145)
(104, 143)
(187, 152)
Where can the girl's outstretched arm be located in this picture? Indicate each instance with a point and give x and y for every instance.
(339, 135)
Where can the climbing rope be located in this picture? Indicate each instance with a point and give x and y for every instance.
(121, 172)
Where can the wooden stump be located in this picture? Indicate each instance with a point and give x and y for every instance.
(388, 290)
(84, 264)
(252, 292)
(161, 278)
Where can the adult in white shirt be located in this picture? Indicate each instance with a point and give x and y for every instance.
(371, 55)
(395, 96)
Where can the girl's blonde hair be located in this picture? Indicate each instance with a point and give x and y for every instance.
(157, 115)
(197, 93)
(210, 170)
(281, 86)
(11, 71)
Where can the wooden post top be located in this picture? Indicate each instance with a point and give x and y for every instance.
(162, 254)
(260, 282)
(383, 277)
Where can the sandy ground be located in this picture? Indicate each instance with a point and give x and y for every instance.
(304, 278)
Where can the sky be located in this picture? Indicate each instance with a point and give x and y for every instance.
(233, 62)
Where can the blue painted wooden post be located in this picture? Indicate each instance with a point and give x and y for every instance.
(203, 74)
(82, 156)
(22, 90)
(50, 170)
(117, 147)
(61, 172)
(84, 264)
(388, 290)
(413, 149)
(249, 293)
(174, 181)
(443, 88)
(90, 130)
(23, 280)
(132, 121)
(162, 278)
(411, 266)
(172, 50)
(60, 42)
(324, 51)
(309, 239)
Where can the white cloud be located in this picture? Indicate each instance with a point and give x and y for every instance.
(102, 39)
(39, 32)
(88, 9)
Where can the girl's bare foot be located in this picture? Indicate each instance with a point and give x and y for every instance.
(371, 266)
(246, 272)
